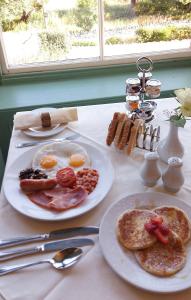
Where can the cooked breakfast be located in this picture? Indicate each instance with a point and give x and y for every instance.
(87, 178)
(157, 236)
(66, 177)
(59, 178)
(30, 185)
(53, 157)
(30, 173)
(59, 199)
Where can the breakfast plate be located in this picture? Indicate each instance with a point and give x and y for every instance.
(41, 132)
(15, 196)
(123, 261)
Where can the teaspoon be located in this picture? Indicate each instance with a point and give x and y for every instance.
(61, 260)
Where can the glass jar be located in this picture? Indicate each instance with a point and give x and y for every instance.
(132, 103)
(133, 86)
(148, 76)
(146, 111)
(153, 88)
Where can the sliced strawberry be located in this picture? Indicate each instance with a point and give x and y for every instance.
(150, 228)
(157, 220)
(160, 237)
(164, 229)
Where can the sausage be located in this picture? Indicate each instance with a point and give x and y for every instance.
(30, 185)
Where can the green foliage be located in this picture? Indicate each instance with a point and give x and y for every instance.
(83, 43)
(117, 11)
(21, 27)
(167, 34)
(53, 22)
(85, 14)
(114, 41)
(8, 25)
(161, 7)
(148, 35)
(178, 120)
(14, 12)
(37, 17)
(181, 33)
(185, 2)
(62, 13)
(53, 42)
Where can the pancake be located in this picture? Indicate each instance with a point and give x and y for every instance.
(130, 229)
(176, 219)
(163, 260)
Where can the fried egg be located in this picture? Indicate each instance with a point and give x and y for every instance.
(53, 157)
(76, 160)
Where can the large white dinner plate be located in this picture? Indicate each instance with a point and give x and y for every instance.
(21, 203)
(41, 132)
(123, 261)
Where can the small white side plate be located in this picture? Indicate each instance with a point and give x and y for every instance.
(41, 132)
(123, 261)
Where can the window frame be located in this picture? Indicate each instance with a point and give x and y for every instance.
(100, 61)
(3, 59)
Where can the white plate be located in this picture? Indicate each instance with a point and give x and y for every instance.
(44, 132)
(123, 261)
(21, 203)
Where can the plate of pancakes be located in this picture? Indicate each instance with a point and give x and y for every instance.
(156, 260)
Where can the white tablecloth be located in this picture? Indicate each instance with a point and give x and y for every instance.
(91, 278)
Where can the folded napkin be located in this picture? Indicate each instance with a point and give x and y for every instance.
(29, 119)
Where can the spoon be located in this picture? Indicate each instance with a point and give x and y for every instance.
(61, 260)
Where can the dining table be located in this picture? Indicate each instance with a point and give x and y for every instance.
(92, 277)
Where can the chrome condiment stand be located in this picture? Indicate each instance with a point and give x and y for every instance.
(143, 70)
(137, 88)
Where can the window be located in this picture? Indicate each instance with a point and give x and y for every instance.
(52, 34)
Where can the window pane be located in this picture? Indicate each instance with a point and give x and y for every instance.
(49, 30)
(138, 26)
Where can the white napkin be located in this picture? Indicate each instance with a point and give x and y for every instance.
(27, 119)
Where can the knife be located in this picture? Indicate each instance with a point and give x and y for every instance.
(56, 234)
(47, 247)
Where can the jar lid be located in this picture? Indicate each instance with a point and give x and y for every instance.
(132, 98)
(175, 161)
(151, 156)
(133, 81)
(146, 106)
(147, 75)
(153, 82)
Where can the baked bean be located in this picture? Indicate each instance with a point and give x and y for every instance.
(87, 178)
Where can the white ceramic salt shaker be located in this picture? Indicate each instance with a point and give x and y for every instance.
(150, 171)
(173, 178)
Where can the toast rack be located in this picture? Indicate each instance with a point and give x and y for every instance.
(148, 137)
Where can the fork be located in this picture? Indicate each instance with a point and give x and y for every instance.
(34, 143)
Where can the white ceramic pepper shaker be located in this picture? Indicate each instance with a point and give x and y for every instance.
(150, 171)
(173, 178)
